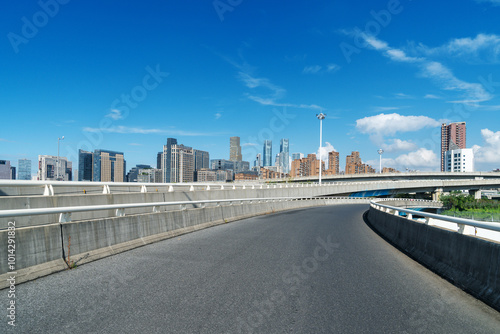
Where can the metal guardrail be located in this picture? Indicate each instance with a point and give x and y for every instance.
(461, 222)
(65, 212)
(47, 188)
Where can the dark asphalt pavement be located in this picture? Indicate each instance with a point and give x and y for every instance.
(320, 270)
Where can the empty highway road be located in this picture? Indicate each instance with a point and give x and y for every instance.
(318, 270)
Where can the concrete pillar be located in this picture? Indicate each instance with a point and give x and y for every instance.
(476, 193)
(437, 193)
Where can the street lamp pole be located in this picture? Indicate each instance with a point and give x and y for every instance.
(321, 117)
(380, 151)
(57, 162)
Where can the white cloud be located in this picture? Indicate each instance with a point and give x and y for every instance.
(431, 96)
(249, 144)
(218, 115)
(325, 149)
(398, 145)
(137, 130)
(403, 96)
(311, 69)
(115, 114)
(490, 153)
(389, 124)
(421, 159)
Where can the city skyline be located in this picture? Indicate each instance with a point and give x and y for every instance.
(384, 77)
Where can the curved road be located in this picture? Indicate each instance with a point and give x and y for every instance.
(319, 270)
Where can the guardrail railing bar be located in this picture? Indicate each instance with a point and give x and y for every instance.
(456, 220)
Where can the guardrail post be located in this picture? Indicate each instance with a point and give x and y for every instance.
(191, 188)
(65, 217)
(106, 190)
(120, 212)
(144, 189)
(156, 209)
(48, 190)
(170, 189)
(221, 187)
(409, 216)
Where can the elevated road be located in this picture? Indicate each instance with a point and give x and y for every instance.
(320, 270)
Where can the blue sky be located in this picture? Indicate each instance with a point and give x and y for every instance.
(125, 76)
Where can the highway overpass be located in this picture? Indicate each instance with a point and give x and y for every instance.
(317, 270)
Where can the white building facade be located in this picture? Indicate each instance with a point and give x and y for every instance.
(459, 160)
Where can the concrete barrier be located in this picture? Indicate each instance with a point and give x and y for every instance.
(471, 263)
(41, 250)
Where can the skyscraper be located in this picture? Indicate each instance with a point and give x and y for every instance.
(85, 165)
(201, 161)
(267, 153)
(182, 168)
(333, 163)
(284, 155)
(234, 149)
(166, 161)
(258, 160)
(5, 173)
(24, 172)
(453, 137)
(109, 166)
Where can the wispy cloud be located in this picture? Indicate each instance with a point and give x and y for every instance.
(317, 69)
(403, 96)
(493, 2)
(311, 69)
(432, 97)
(137, 130)
(218, 115)
(115, 114)
(444, 77)
(5, 140)
(382, 109)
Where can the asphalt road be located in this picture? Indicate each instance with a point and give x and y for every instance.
(320, 270)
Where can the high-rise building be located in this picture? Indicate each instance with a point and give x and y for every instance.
(453, 137)
(201, 161)
(258, 160)
(284, 158)
(108, 166)
(182, 164)
(459, 160)
(166, 160)
(12, 172)
(333, 163)
(354, 165)
(235, 149)
(308, 166)
(158, 160)
(24, 171)
(48, 168)
(5, 172)
(85, 165)
(267, 153)
(297, 156)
